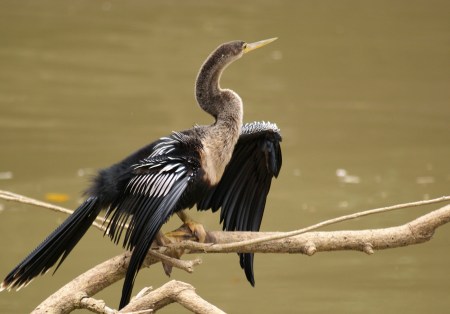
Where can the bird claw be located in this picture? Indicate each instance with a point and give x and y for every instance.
(190, 230)
(197, 230)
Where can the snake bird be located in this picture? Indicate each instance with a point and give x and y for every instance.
(227, 165)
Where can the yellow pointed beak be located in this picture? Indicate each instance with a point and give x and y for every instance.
(258, 44)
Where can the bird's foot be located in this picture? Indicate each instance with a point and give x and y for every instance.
(195, 229)
(189, 231)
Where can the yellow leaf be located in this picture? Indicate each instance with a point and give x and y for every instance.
(56, 197)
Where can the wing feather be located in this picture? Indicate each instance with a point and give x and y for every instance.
(149, 200)
(152, 226)
(242, 192)
(154, 190)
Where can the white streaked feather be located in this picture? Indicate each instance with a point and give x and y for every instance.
(170, 183)
(155, 185)
(130, 185)
(139, 183)
(145, 181)
(169, 167)
(164, 183)
(181, 168)
(165, 146)
(160, 174)
(254, 127)
(174, 179)
(136, 185)
(149, 184)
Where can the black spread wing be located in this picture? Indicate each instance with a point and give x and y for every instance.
(243, 189)
(151, 196)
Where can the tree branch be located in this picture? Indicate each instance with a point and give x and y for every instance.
(173, 291)
(77, 293)
(281, 235)
(417, 231)
(13, 197)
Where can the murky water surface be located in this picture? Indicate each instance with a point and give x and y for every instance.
(360, 91)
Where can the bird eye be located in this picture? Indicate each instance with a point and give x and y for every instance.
(244, 46)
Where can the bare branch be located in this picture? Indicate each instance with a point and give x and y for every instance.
(70, 296)
(96, 306)
(278, 236)
(186, 265)
(13, 197)
(415, 232)
(173, 291)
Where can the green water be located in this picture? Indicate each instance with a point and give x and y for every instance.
(357, 87)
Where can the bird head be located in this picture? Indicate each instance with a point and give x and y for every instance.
(233, 50)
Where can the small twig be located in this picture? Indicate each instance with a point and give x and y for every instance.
(186, 265)
(96, 306)
(9, 196)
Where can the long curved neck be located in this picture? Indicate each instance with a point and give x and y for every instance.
(223, 104)
(226, 107)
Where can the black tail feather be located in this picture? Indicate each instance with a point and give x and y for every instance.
(56, 246)
(246, 261)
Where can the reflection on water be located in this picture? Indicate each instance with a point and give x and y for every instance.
(359, 90)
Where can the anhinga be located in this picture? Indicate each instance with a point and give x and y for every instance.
(225, 165)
